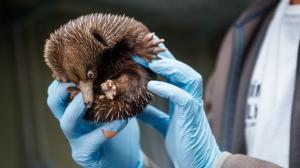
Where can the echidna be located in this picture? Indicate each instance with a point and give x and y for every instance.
(94, 52)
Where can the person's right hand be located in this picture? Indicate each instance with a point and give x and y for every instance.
(115, 144)
(188, 137)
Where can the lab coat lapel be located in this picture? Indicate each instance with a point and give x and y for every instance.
(249, 31)
(295, 124)
(238, 142)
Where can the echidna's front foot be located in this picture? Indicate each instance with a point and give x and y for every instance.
(148, 47)
(73, 92)
(109, 89)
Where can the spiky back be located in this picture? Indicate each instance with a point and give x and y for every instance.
(89, 35)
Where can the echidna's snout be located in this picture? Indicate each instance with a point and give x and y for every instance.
(86, 89)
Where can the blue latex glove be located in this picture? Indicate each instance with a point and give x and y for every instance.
(188, 137)
(89, 142)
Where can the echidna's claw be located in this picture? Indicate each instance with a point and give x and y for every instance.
(148, 47)
(73, 92)
(109, 89)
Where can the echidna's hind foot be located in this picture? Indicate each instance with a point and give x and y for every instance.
(109, 89)
(148, 46)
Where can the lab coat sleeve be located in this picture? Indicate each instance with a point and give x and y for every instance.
(227, 160)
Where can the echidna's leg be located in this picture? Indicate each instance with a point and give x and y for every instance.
(127, 84)
(130, 96)
(147, 46)
(143, 43)
(119, 85)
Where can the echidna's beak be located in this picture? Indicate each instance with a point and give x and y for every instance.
(86, 89)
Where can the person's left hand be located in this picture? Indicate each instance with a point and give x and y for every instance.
(114, 144)
(188, 137)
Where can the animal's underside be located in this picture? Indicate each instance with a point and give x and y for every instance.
(95, 52)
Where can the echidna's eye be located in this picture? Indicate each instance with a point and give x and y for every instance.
(90, 74)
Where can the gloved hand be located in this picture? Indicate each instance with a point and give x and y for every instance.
(90, 143)
(188, 137)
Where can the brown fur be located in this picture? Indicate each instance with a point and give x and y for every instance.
(96, 48)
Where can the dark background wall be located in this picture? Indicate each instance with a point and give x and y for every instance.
(29, 135)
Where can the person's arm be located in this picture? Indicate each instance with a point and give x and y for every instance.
(243, 161)
(114, 144)
(188, 137)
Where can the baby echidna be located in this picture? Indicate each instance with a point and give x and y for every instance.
(94, 52)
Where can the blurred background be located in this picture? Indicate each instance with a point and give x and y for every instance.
(29, 135)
